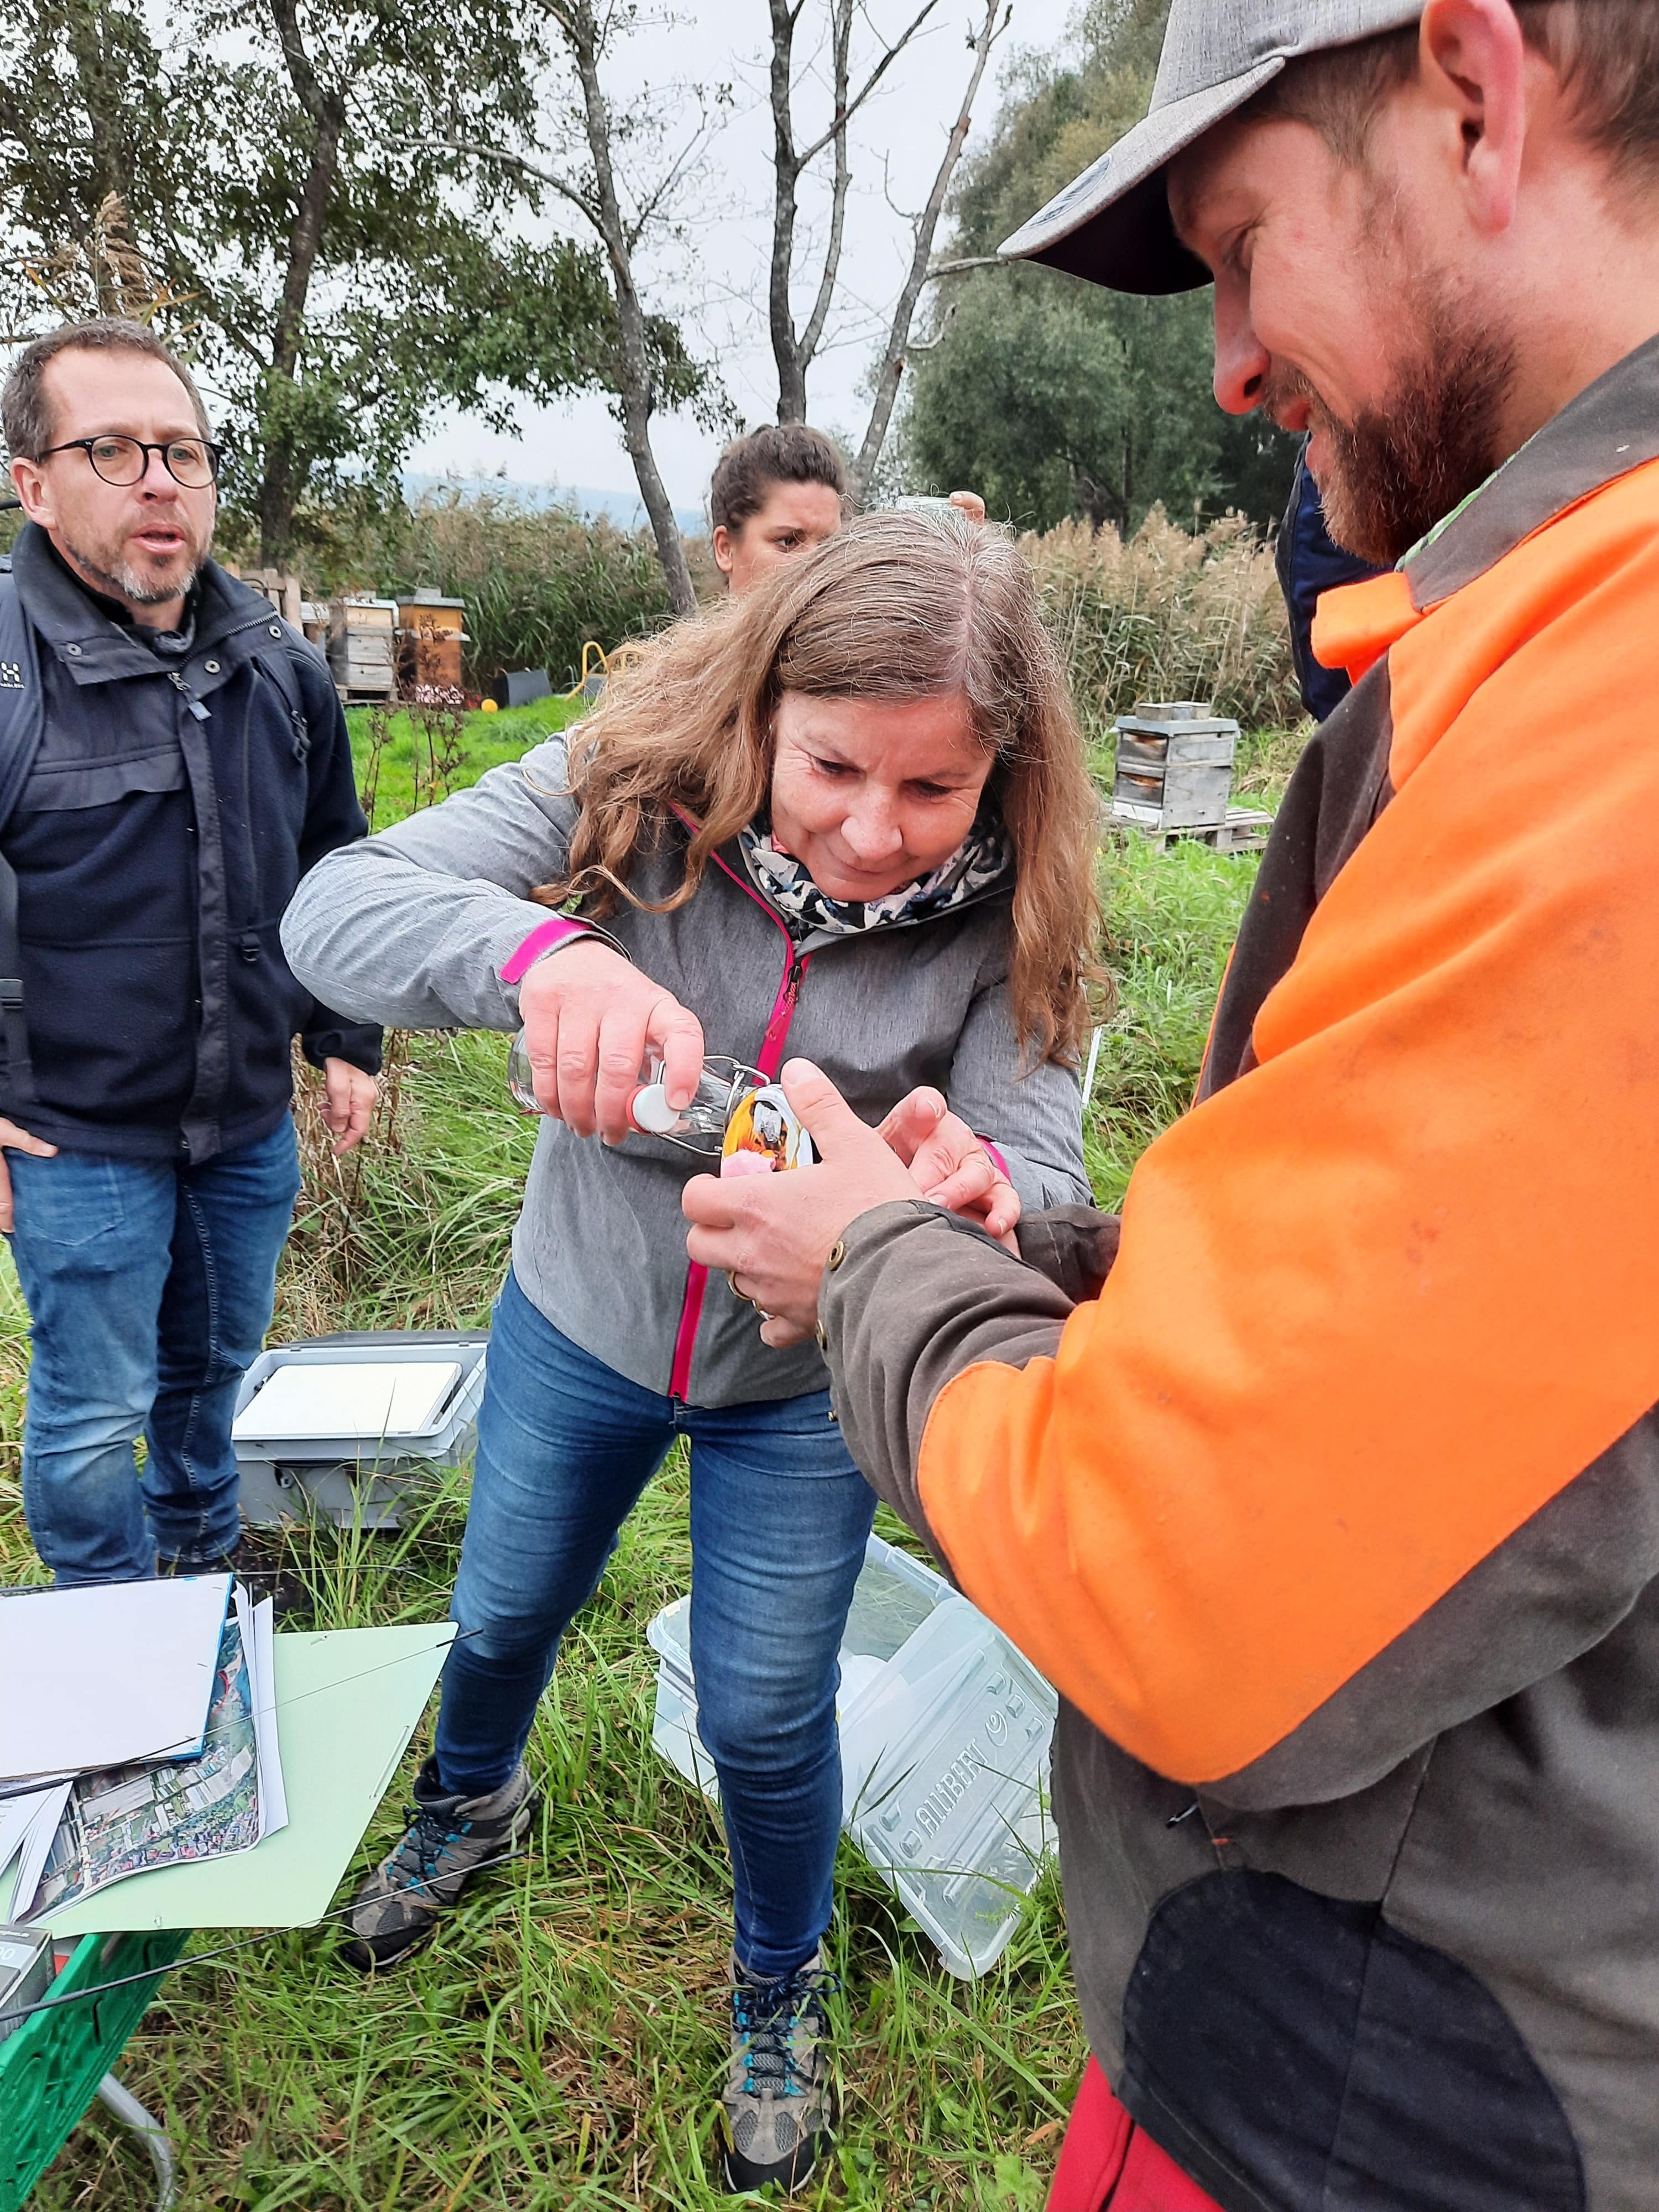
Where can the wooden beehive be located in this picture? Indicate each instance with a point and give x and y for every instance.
(1175, 766)
(362, 638)
(431, 632)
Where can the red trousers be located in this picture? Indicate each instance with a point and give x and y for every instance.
(1106, 2160)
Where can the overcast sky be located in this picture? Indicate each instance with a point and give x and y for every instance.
(714, 278)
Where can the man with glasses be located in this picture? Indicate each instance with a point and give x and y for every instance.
(173, 759)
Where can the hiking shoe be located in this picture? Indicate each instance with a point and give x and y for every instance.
(778, 2109)
(450, 1841)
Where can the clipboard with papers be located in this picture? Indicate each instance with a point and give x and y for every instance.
(244, 1772)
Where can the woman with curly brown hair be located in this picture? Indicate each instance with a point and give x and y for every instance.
(846, 815)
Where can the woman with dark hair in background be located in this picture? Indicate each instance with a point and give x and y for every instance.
(775, 493)
(778, 492)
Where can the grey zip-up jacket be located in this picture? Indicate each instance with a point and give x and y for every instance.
(414, 927)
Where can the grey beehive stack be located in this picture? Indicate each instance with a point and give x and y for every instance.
(362, 641)
(1175, 766)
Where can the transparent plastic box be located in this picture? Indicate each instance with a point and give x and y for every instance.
(944, 1734)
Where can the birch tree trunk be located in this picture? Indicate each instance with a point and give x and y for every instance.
(994, 23)
(582, 35)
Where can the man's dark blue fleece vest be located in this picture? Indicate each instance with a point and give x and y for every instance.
(159, 801)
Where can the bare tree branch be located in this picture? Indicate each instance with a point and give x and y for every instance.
(650, 208)
(795, 351)
(785, 169)
(476, 151)
(582, 37)
(841, 49)
(838, 128)
(928, 345)
(898, 334)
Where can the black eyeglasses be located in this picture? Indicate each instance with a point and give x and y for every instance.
(120, 459)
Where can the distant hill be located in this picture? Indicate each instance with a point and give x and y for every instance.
(624, 508)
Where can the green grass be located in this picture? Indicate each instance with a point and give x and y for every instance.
(561, 2045)
(426, 754)
(1170, 918)
(412, 1231)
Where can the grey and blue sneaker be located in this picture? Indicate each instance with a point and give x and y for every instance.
(449, 1843)
(778, 2111)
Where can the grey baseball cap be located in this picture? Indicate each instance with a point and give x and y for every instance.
(1112, 223)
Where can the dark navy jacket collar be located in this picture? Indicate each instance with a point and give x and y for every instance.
(72, 622)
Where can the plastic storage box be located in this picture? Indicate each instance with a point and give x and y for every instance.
(944, 1735)
(51, 2067)
(344, 1478)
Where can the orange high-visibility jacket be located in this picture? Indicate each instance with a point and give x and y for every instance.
(1326, 1489)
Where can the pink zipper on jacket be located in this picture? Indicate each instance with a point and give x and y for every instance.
(769, 1059)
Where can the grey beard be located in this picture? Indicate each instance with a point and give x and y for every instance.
(126, 583)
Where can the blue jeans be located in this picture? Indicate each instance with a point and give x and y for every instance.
(150, 1284)
(779, 1518)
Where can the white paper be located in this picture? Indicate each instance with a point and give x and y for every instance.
(124, 1822)
(373, 1399)
(35, 1843)
(109, 1673)
(273, 1799)
(347, 1701)
(16, 1818)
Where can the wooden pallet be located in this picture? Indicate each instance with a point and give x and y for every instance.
(1244, 830)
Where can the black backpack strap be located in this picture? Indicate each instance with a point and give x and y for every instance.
(278, 644)
(20, 1069)
(278, 666)
(22, 724)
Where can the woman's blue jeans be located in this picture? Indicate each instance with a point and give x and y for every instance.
(779, 1518)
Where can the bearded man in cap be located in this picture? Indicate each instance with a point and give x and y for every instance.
(1326, 1484)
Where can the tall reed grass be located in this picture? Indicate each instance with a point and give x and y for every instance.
(1167, 615)
(539, 582)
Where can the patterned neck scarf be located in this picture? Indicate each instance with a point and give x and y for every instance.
(983, 858)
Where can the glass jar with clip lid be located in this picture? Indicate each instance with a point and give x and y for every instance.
(735, 1115)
